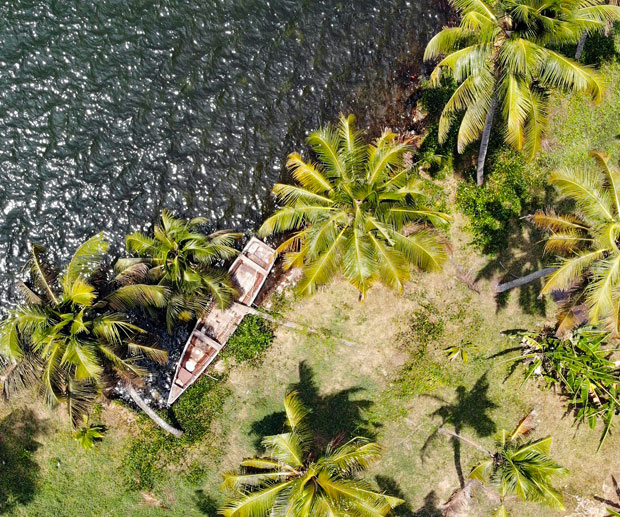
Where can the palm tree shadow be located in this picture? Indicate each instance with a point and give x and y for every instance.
(615, 505)
(430, 508)
(469, 410)
(334, 415)
(20, 473)
(523, 255)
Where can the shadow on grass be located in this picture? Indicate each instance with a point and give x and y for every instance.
(614, 505)
(430, 508)
(522, 256)
(206, 504)
(20, 473)
(469, 410)
(334, 415)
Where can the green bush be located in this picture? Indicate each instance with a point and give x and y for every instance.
(433, 99)
(249, 341)
(601, 47)
(509, 190)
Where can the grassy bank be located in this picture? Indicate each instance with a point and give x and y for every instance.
(395, 384)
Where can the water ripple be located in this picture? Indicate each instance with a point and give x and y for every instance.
(113, 109)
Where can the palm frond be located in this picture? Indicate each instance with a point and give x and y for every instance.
(134, 272)
(354, 456)
(79, 292)
(43, 275)
(446, 41)
(422, 249)
(557, 223)
(570, 270)
(562, 72)
(29, 295)
(138, 295)
(114, 328)
(584, 187)
(307, 174)
(254, 504)
(324, 267)
(517, 107)
(326, 142)
(10, 342)
(158, 355)
(139, 243)
(86, 260)
(286, 447)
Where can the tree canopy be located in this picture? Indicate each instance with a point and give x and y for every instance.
(357, 210)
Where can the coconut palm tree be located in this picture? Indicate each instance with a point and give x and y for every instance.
(357, 210)
(592, 17)
(68, 336)
(499, 55)
(184, 260)
(588, 238)
(289, 481)
(517, 468)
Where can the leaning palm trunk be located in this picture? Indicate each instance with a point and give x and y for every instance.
(524, 280)
(484, 144)
(581, 45)
(149, 411)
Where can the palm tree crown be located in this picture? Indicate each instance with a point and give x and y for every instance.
(521, 468)
(589, 236)
(499, 56)
(351, 212)
(290, 482)
(68, 333)
(185, 260)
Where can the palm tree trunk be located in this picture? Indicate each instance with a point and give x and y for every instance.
(581, 45)
(524, 280)
(149, 411)
(484, 143)
(443, 430)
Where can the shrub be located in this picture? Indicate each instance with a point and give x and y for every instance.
(582, 368)
(510, 188)
(249, 341)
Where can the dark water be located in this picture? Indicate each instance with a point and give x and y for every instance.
(111, 110)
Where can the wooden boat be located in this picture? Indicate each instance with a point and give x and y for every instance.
(248, 273)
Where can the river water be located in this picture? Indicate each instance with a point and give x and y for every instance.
(111, 110)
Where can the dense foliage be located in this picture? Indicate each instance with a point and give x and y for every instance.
(510, 191)
(353, 212)
(152, 450)
(582, 368)
(67, 338)
(185, 261)
(252, 337)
